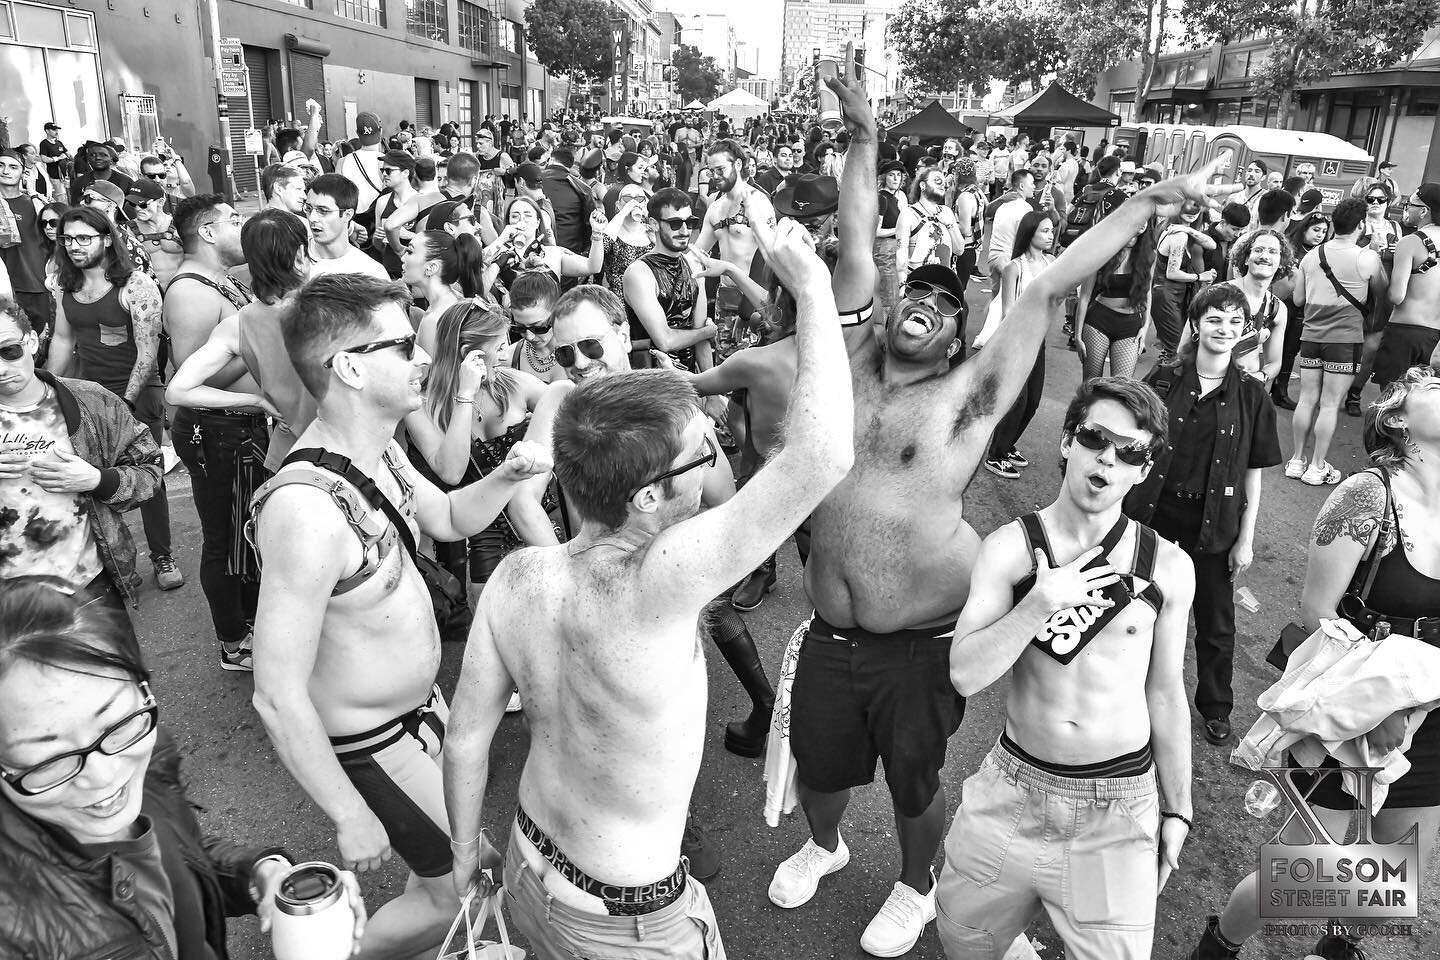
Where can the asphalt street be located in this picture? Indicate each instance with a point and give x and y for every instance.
(245, 793)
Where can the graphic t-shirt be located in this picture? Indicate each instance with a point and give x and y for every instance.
(42, 533)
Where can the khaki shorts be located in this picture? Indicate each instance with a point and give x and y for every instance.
(683, 930)
(1084, 850)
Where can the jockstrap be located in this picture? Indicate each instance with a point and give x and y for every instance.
(1069, 631)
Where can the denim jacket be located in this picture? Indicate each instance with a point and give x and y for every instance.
(106, 435)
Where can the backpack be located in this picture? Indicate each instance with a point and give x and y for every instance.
(1084, 213)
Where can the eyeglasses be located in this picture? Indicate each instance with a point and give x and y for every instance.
(1127, 450)
(405, 343)
(459, 220)
(1372, 201)
(565, 353)
(12, 351)
(157, 176)
(118, 738)
(946, 303)
(675, 223)
(310, 208)
(234, 218)
(707, 458)
(538, 330)
(78, 239)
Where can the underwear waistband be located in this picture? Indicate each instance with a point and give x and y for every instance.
(618, 900)
(827, 631)
(378, 738)
(1023, 771)
(1133, 764)
(231, 417)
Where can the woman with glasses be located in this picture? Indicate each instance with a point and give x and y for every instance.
(525, 244)
(1303, 235)
(103, 854)
(1379, 232)
(532, 298)
(627, 236)
(1114, 306)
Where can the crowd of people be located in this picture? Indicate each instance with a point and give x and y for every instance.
(564, 395)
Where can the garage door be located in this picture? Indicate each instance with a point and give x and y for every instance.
(424, 96)
(246, 113)
(307, 82)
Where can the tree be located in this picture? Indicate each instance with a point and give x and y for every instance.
(1312, 39)
(697, 77)
(948, 43)
(572, 37)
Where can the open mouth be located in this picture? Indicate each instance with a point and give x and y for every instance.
(1097, 481)
(110, 805)
(919, 324)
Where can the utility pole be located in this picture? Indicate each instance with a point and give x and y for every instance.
(212, 10)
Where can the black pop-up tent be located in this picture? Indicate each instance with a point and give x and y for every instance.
(934, 122)
(1055, 107)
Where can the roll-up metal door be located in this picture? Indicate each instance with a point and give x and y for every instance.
(250, 113)
(424, 92)
(307, 82)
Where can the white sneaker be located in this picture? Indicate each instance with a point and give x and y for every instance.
(514, 705)
(1294, 469)
(1321, 475)
(900, 922)
(797, 879)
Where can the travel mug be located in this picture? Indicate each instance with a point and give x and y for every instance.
(312, 919)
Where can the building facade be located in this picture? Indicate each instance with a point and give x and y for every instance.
(1390, 113)
(827, 25)
(106, 68)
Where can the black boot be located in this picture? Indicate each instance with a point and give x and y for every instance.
(1212, 946)
(1281, 395)
(752, 589)
(744, 737)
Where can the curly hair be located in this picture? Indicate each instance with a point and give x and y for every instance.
(1240, 253)
(1388, 445)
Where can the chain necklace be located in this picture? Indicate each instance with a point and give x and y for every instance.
(541, 366)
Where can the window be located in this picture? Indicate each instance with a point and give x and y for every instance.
(506, 36)
(473, 23)
(465, 106)
(1124, 109)
(362, 11)
(307, 4)
(429, 19)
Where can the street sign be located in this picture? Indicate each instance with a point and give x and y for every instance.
(234, 78)
(1331, 169)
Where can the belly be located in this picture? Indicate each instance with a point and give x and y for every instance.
(1421, 306)
(884, 560)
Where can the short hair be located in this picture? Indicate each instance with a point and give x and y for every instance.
(152, 161)
(424, 170)
(119, 266)
(672, 197)
(1273, 205)
(1218, 296)
(601, 297)
(277, 174)
(1257, 162)
(42, 623)
(1018, 176)
(330, 312)
(187, 216)
(1348, 215)
(9, 308)
(533, 288)
(1240, 255)
(563, 155)
(270, 240)
(1383, 187)
(462, 167)
(1107, 166)
(1142, 402)
(338, 188)
(288, 139)
(613, 433)
(725, 145)
(1236, 214)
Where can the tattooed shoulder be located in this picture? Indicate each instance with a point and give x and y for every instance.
(1352, 511)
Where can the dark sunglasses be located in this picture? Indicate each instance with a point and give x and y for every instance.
(1136, 453)
(13, 351)
(405, 343)
(1372, 201)
(675, 223)
(50, 223)
(157, 176)
(518, 330)
(592, 348)
(707, 458)
(945, 302)
(118, 738)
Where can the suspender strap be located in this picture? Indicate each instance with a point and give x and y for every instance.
(1340, 287)
(341, 466)
(1370, 565)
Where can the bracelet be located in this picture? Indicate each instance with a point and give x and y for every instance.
(1171, 815)
(459, 399)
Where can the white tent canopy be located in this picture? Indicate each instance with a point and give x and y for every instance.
(739, 104)
(694, 105)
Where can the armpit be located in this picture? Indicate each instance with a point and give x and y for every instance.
(978, 404)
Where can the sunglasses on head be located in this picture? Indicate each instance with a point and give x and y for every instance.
(405, 343)
(13, 351)
(1127, 449)
(565, 353)
(946, 303)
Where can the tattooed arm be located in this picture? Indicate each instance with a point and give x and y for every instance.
(142, 298)
(1344, 529)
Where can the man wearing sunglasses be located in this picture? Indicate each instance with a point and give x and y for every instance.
(571, 623)
(74, 460)
(665, 305)
(346, 644)
(1087, 610)
(735, 204)
(1413, 334)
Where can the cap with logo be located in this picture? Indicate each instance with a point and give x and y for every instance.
(1389, 165)
(142, 191)
(367, 129)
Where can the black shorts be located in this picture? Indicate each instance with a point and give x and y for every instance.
(859, 696)
(1341, 358)
(1403, 346)
(1113, 323)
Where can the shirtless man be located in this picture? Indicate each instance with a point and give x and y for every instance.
(346, 646)
(614, 749)
(1413, 333)
(209, 438)
(735, 204)
(1089, 610)
(891, 552)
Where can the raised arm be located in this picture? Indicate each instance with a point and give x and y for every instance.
(694, 560)
(855, 272)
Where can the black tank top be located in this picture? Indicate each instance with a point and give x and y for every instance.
(675, 289)
(1399, 589)
(104, 338)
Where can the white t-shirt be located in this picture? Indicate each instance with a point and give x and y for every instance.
(1007, 222)
(368, 181)
(354, 261)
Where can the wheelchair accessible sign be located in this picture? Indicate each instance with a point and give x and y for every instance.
(1328, 877)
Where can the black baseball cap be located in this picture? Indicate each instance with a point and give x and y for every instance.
(939, 276)
(1429, 194)
(143, 190)
(530, 173)
(52, 125)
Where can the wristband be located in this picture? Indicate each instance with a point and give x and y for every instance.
(255, 873)
(1171, 815)
(459, 399)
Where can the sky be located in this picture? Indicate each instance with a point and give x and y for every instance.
(757, 22)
